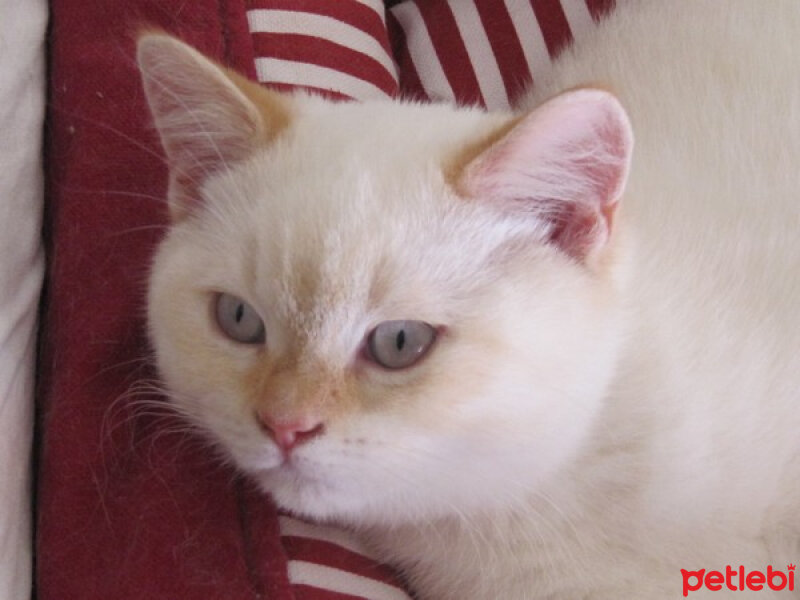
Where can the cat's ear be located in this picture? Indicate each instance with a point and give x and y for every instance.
(565, 163)
(207, 116)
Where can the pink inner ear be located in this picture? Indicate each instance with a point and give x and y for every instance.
(566, 163)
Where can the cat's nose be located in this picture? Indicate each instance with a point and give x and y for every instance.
(290, 432)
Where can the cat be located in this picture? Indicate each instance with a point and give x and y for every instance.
(546, 353)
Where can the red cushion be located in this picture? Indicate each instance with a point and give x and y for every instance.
(129, 506)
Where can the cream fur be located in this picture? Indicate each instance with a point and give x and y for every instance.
(579, 430)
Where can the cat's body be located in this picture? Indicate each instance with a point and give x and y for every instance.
(602, 407)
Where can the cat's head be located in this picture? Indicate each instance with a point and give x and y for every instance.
(384, 311)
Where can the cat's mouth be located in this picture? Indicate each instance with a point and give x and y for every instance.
(279, 474)
(290, 479)
(289, 464)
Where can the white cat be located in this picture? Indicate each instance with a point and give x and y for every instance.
(467, 337)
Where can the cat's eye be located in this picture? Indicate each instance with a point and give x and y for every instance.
(400, 344)
(238, 320)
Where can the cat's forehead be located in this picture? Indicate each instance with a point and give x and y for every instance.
(384, 137)
(343, 244)
(340, 226)
(342, 173)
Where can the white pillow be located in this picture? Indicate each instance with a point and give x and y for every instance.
(22, 94)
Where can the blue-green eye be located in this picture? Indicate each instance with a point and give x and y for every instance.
(400, 344)
(238, 320)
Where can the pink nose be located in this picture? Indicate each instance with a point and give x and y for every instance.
(288, 433)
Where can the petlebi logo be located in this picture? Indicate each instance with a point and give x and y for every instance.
(738, 579)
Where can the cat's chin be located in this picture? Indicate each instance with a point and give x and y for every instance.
(310, 495)
(306, 494)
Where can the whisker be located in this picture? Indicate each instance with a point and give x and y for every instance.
(111, 192)
(105, 126)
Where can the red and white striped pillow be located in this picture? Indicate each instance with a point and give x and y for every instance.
(471, 51)
(339, 48)
(325, 559)
(485, 51)
(468, 51)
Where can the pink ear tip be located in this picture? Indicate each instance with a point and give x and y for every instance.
(617, 127)
(617, 111)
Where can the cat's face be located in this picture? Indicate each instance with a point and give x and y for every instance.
(357, 307)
